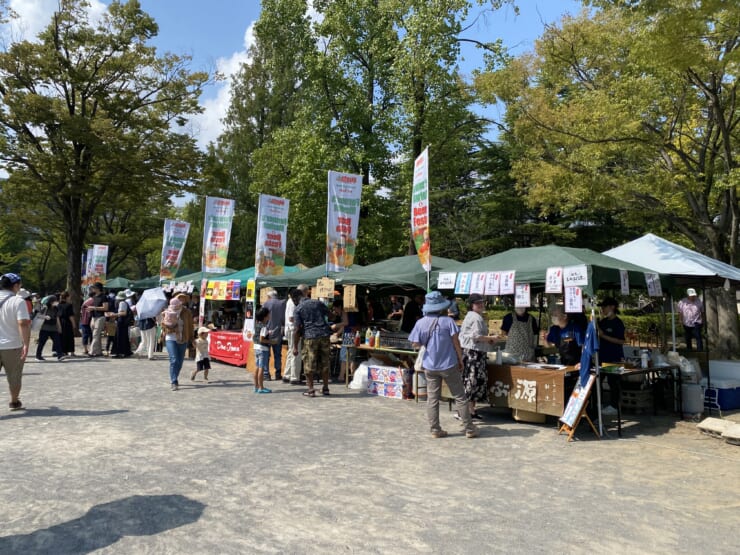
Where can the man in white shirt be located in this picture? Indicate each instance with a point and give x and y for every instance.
(15, 335)
(293, 365)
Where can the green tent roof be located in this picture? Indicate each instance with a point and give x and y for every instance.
(308, 277)
(402, 272)
(531, 265)
(248, 273)
(117, 283)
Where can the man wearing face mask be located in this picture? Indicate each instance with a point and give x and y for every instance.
(521, 329)
(567, 335)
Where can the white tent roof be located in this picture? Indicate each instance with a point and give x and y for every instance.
(660, 255)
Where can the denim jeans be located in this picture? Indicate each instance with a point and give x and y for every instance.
(177, 356)
(86, 332)
(693, 332)
(277, 351)
(262, 358)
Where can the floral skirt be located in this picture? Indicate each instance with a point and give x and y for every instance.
(475, 375)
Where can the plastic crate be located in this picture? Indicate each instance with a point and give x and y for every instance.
(637, 400)
(395, 340)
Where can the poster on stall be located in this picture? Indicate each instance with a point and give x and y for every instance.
(272, 236)
(217, 234)
(576, 401)
(97, 264)
(522, 297)
(324, 289)
(554, 281)
(573, 299)
(173, 245)
(446, 280)
(575, 275)
(507, 283)
(493, 283)
(248, 329)
(342, 220)
(653, 285)
(624, 281)
(222, 290)
(462, 285)
(420, 210)
(478, 283)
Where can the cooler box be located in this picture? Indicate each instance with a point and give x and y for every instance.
(724, 392)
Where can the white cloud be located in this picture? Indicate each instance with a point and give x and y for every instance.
(209, 125)
(35, 15)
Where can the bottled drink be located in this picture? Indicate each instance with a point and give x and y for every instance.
(377, 339)
(357, 338)
(368, 336)
(372, 339)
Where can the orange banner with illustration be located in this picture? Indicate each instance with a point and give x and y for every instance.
(420, 210)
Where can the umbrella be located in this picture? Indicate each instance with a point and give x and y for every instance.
(151, 303)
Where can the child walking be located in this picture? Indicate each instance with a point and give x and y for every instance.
(261, 351)
(202, 360)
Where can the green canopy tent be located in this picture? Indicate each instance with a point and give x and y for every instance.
(531, 266)
(398, 275)
(117, 283)
(182, 276)
(308, 276)
(248, 273)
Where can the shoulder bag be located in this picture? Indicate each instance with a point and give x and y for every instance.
(419, 362)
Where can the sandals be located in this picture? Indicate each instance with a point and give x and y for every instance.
(309, 393)
(325, 391)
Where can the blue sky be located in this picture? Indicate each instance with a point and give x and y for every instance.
(216, 34)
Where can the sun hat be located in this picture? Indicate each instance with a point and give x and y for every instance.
(129, 293)
(121, 296)
(24, 293)
(203, 329)
(434, 302)
(691, 292)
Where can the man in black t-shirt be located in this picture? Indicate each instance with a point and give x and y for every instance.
(97, 321)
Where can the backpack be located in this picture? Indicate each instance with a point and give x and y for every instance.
(170, 318)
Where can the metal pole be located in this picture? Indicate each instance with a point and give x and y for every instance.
(598, 375)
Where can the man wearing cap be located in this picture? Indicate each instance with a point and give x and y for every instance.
(611, 339)
(97, 310)
(443, 360)
(691, 308)
(275, 327)
(15, 335)
(293, 364)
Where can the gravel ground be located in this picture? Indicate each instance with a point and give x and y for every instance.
(107, 459)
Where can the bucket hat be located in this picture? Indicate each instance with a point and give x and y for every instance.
(434, 302)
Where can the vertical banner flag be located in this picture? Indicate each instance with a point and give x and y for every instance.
(342, 220)
(89, 267)
(175, 235)
(420, 210)
(98, 266)
(217, 233)
(272, 236)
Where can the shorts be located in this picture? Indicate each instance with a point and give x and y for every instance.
(204, 364)
(10, 359)
(316, 356)
(261, 358)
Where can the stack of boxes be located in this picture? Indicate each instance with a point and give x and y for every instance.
(385, 381)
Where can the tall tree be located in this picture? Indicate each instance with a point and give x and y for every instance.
(91, 116)
(615, 108)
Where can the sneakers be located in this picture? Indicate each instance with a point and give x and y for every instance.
(457, 416)
(472, 432)
(174, 387)
(476, 416)
(609, 411)
(40, 358)
(436, 434)
(15, 405)
(264, 390)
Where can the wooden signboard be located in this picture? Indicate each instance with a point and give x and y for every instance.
(350, 298)
(324, 289)
(576, 408)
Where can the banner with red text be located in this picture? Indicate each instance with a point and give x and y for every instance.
(97, 264)
(342, 220)
(272, 236)
(420, 210)
(217, 234)
(173, 245)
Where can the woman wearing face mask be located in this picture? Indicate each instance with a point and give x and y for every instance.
(475, 343)
(521, 329)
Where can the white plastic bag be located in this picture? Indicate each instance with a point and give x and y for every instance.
(419, 362)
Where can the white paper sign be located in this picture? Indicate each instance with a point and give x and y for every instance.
(493, 281)
(624, 280)
(462, 286)
(478, 283)
(554, 280)
(653, 285)
(522, 297)
(507, 282)
(573, 299)
(575, 275)
(446, 280)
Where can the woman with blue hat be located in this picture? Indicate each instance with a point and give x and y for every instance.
(442, 360)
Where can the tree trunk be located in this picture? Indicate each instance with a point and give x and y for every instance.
(74, 268)
(722, 324)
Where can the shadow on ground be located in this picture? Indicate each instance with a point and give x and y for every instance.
(56, 411)
(105, 524)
